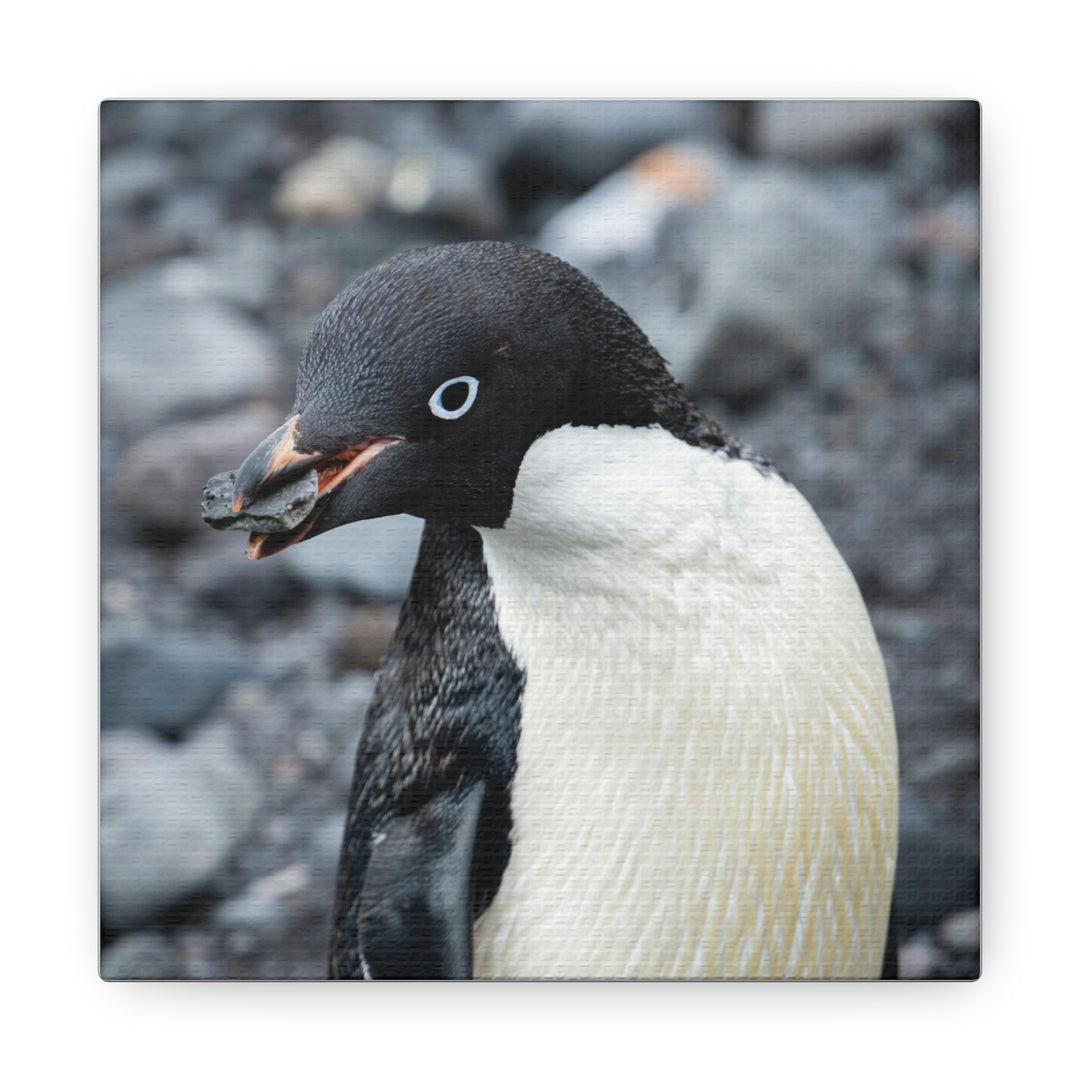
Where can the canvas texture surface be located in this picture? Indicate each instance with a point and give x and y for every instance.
(592, 585)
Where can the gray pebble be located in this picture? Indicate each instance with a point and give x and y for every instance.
(164, 680)
(145, 954)
(960, 932)
(278, 510)
(170, 816)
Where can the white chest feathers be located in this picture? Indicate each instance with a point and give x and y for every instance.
(706, 781)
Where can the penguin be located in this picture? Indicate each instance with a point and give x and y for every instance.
(634, 722)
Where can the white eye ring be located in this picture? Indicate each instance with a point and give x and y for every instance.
(435, 402)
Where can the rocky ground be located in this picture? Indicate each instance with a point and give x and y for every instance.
(811, 273)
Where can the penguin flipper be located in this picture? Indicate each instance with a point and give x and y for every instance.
(427, 834)
(416, 912)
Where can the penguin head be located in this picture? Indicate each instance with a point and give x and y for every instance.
(426, 381)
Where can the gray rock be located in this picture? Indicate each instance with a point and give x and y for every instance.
(947, 761)
(951, 228)
(244, 262)
(812, 130)
(937, 872)
(145, 954)
(231, 153)
(200, 953)
(264, 904)
(932, 658)
(338, 707)
(170, 816)
(586, 140)
(324, 848)
(191, 216)
(918, 959)
(912, 566)
(214, 570)
(344, 178)
(961, 931)
(165, 681)
(738, 271)
(279, 509)
(448, 183)
(168, 347)
(372, 558)
(170, 121)
(158, 480)
(136, 173)
(921, 164)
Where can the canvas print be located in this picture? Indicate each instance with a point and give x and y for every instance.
(540, 540)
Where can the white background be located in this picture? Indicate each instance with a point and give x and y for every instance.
(59, 1018)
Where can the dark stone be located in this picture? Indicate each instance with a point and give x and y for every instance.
(169, 347)
(165, 681)
(274, 511)
(170, 817)
(145, 954)
(565, 146)
(817, 130)
(936, 874)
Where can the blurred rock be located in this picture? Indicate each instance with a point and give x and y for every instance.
(171, 122)
(960, 932)
(949, 427)
(244, 260)
(235, 150)
(169, 348)
(447, 183)
(199, 954)
(912, 566)
(813, 130)
(344, 178)
(142, 955)
(937, 873)
(947, 761)
(572, 144)
(339, 251)
(328, 839)
(170, 816)
(373, 559)
(949, 229)
(165, 681)
(624, 215)
(216, 572)
(366, 637)
(338, 706)
(158, 480)
(264, 903)
(938, 706)
(918, 959)
(124, 247)
(920, 166)
(314, 748)
(192, 215)
(738, 271)
(132, 176)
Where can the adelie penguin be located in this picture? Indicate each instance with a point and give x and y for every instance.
(634, 722)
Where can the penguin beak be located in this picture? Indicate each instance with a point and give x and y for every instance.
(277, 459)
(274, 459)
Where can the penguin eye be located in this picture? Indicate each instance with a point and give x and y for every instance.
(454, 398)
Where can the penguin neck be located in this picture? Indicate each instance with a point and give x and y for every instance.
(586, 493)
(626, 383)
